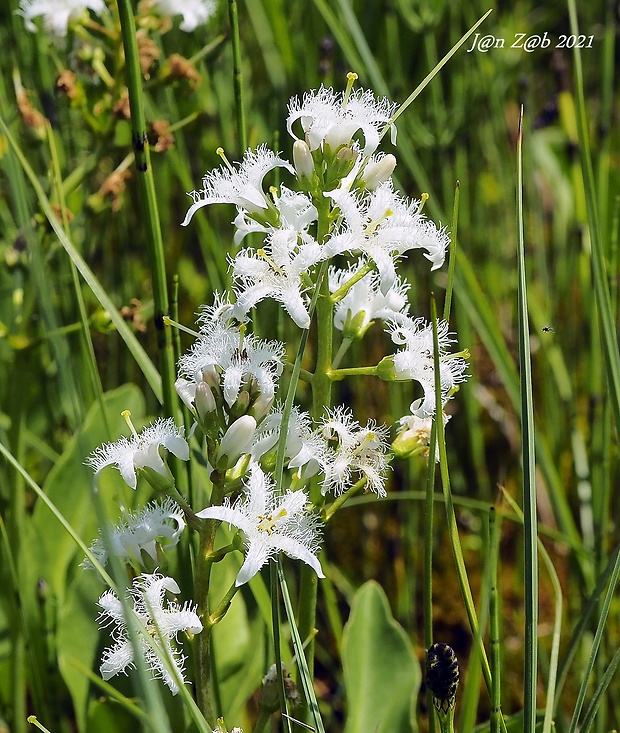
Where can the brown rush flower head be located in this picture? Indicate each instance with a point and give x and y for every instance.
(442, 676)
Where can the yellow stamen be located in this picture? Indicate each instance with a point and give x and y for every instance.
(220, 152)
(268, 523)
(351, 79)
(272, 264)
(423, 199)
(372, 225)
(127, 416)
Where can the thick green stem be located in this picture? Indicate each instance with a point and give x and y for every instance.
(321, 399)
(233, 15)
(146, 186)
(204, 562)
(322, 381)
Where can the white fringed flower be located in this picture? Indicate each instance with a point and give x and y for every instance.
(156, 524)
(242, 186)
(194, 12)
(276, 271)
(365, 302)
(295, 213)
(326, 117)
(353, 450)
(226, 357)
(271, 523)
(415, 360)
(305, 448)
(141, 451)
(382, 226)
(57, 14)
(162, 621)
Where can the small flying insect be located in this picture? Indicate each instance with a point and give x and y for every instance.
(548, 329)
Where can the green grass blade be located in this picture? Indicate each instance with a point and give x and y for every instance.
(146, 187)
(528, 461)
(141, 357)
(453, 531)
(304, 672)
(557, 624)
(494, 624)
(600, 628)
(609, 335)
(598, 698)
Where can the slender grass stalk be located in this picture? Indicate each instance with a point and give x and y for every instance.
(87, 342)
(494, 627)
(452, 253)
(141, 357)
(453, 531)
(233, 14)
(529, 475)
(600, 628)
(277, 647)
(427, 583)
(305, 676)
(557, 623)
(411, 98)
(609, 336)
(598, 697)
(146, 185)
(427, 577)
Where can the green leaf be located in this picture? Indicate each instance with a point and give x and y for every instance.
(382, 675)
(78, 637)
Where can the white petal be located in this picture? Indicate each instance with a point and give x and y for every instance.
(258, 554)
(116, 659)
(228, 514)
(298, 551)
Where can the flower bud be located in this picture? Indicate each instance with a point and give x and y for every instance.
(356, 327)
(341, 166)
(159, 482)
(379, 171)
(236, 441)
(186, 391)
(385, 369)
(410, 442)
(302, 160)
(240, 405)
(205, 401)
(260, 406)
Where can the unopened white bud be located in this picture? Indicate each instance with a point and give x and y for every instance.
(236, 441)
(379, 171)
(205, 401)
(302, 159)
(186, 391)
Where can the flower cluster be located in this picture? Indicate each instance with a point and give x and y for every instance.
(330, 238)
